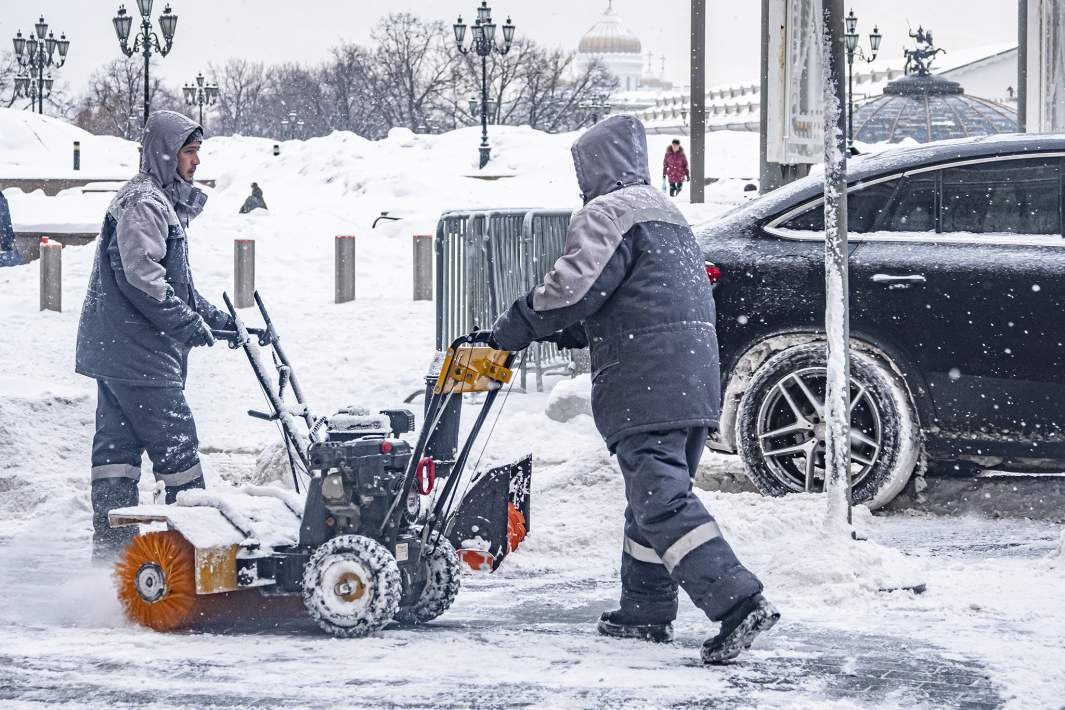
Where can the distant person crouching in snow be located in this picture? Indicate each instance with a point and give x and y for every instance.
(632, 282)
(142, 315)
(254, 201)
(675, 168)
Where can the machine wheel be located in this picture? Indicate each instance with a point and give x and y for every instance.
(443, 578)
(156, 580)
(351, 586)
(780, 427)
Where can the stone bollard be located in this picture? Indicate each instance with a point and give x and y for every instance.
(51, 275)
(243, 272)
(77, 155)
(423, 267)
(345, 268)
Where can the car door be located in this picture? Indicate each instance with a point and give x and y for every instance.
(963, 271)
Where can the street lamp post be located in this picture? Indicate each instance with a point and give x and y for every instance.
(483, 42)
(146, 40)
(597, 106)
(39, 51)
(200, 94)
(292, 127)
(850, 38)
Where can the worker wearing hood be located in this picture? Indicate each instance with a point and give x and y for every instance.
(632, 284)
(142, 315)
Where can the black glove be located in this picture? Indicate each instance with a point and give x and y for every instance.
(485, 337)
(201, 337)
(571, 338)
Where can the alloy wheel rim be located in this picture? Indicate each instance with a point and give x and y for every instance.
(791, 430)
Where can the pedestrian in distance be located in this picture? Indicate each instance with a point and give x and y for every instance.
(632, 284)
(142, 315)
(675, 168)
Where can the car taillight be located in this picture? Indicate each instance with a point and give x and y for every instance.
(712, 272)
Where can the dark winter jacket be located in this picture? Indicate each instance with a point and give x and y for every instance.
(7, 232)
(633, 274)
(142, 308)
(675, 165)
(9, 255)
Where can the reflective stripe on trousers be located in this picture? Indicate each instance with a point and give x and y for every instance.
(677, 551)
(670, 536)
(115, 470)
(181, 477)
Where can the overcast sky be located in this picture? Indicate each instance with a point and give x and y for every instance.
(283, 30)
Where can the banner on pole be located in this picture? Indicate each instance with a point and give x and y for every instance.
(1046, 66)
(793, 103)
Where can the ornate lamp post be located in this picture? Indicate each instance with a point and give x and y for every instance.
(851, 38)
(292, 127)
(146, 40)
(35, 54)
(484, 44)
(200, 94)
(597, 106)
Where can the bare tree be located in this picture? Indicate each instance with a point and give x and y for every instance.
(348, 89)
(243, 97)
(113, 104)
(533, 86)
(554, 95)
(411, 72)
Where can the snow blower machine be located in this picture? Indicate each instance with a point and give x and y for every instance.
(377, 536)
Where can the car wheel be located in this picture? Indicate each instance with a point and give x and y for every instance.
(780, 427)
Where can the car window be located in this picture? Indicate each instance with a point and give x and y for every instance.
(913, 207)
(1003, 197)
(865, 209)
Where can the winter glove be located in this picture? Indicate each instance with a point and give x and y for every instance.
(202, 336)
(485, 337)
(571, 338)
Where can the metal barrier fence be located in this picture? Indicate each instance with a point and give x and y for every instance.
(487, 258)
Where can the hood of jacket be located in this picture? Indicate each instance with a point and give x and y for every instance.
(164, 135)
(611, 155)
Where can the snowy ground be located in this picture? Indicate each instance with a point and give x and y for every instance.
(987, 633)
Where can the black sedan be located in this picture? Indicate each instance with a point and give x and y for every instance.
(957, 317)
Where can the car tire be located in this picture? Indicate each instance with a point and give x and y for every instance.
(783, 452)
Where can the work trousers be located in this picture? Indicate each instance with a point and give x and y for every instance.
(129, 422)
(670, 537)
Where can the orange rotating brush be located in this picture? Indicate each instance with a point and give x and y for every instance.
(156, 580)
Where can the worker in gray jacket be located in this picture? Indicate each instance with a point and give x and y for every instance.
(632, 283)
(142, 315)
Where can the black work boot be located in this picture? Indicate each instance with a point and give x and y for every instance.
(107, 494)
(739, 628)
(617, 624)
(172, 491)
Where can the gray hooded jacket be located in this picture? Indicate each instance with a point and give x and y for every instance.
(142, 308)
(633, 274)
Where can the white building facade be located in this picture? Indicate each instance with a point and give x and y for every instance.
(618, 48)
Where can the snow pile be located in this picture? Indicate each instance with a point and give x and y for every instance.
(794, 550)
(570, 398)
(34, 146)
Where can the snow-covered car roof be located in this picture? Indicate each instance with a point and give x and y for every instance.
(902, 158)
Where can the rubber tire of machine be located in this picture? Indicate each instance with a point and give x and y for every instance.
(900, 446)
(375, 599)
(173, 556)
(443, 579)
